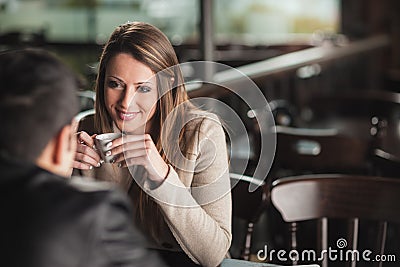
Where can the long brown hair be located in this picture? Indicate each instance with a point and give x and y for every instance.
(151, 47)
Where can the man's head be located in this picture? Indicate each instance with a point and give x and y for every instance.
(37, 101)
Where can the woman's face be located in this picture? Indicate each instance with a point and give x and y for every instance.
(130, 91)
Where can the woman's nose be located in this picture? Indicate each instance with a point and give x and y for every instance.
(128, 98)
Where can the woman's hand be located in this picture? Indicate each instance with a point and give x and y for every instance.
(140, 150)
(86, 156)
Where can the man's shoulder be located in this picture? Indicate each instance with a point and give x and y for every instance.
(64, 193)
(101, 190)
(88, 184)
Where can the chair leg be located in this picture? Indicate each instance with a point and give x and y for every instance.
(293, 227)
(247, 243)
(353, 229)
(323, 239)
(382, 235)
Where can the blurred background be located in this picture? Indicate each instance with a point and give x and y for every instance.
(330, 70)
(78, 28)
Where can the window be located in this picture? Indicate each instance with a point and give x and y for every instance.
(83, 21)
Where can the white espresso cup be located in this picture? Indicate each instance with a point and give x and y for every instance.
(101, 141)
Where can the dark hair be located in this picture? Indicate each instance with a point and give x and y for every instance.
(37, 99)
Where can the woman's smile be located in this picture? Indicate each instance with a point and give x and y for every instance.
(127, 116)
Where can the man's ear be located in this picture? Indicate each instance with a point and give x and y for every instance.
(57, 156)
(62, 146)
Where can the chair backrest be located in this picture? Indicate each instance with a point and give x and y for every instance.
(356, 103)
(366, 114)
(246, 204)
(306, 150)
(385, 163)
(86, 121)
(86, 99)
(385, 147)
(338, 196)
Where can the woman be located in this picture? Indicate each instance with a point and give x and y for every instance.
(175, 152)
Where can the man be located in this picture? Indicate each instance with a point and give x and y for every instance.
(46, 219)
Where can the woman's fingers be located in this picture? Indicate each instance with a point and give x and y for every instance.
(129, 142)
(131, 150)
(126, 147)
(86, 156)
(91, 159)
(130, 154)
(133, 161)
(85, 138)
(139, 150)
(130, 138)
(89, 151)
(81, 166)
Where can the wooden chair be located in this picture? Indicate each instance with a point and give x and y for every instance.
(86, 121)
(247, 205)
(86, 100)
(385, 148)
(385, 163)
(319, 197)
(353, 111)
(305, 150)
(357, 104)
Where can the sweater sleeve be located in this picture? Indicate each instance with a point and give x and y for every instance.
(199, 215)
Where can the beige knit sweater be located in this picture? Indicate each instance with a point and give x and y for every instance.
(195, 202)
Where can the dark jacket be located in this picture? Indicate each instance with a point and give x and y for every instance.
(51, 221)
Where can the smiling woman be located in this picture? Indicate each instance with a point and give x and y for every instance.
(130, 93)
(181, 201)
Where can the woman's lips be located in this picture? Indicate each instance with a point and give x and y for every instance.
(126, 116)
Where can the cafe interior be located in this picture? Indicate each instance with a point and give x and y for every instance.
(310, 93)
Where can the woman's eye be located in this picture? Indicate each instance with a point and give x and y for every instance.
(144, 89)
(114, 84)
